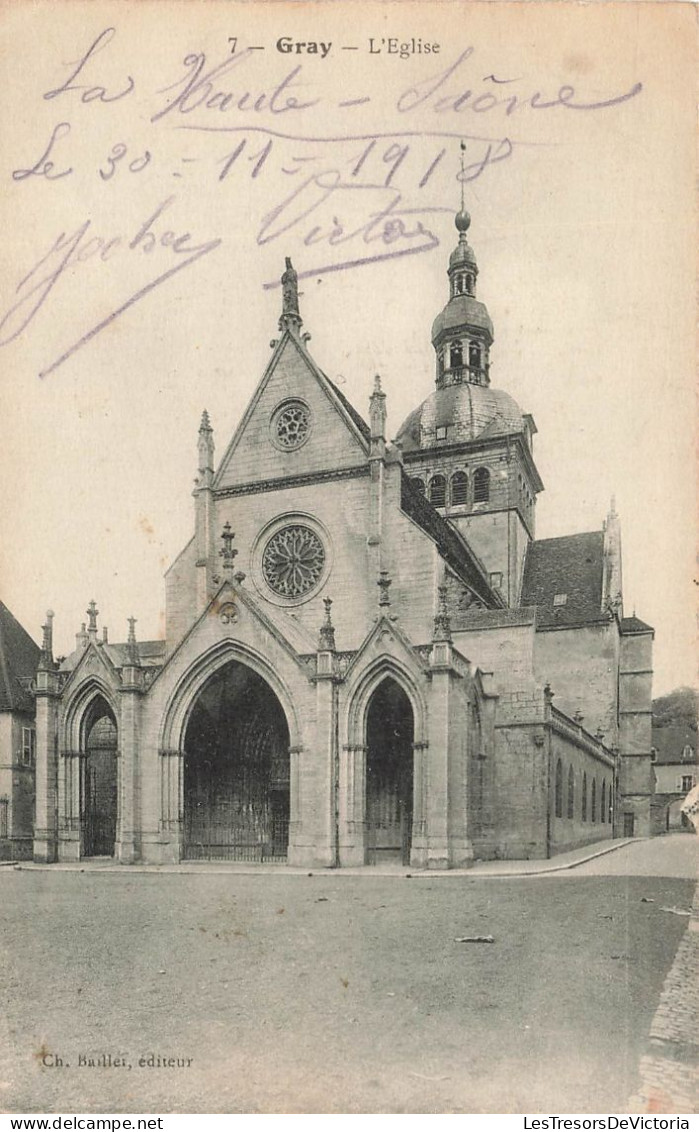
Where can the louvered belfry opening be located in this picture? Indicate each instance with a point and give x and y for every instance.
(236, 770)
(100, 789)
(389, 775)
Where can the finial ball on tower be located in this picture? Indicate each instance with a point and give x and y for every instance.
(462, 219)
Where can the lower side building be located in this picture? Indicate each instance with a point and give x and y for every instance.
(19, 656)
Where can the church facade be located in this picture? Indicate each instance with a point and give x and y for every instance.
(368, 655)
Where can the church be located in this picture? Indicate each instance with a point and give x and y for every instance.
(368, 655)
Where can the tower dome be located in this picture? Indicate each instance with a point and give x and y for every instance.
(458, 414)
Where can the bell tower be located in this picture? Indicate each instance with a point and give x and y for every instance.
(468, 447)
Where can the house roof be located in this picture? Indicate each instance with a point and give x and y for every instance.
(570, 567)
(19, 658)
(671, 741)
(453, 548)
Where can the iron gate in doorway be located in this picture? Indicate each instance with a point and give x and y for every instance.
(236, 771)
(233, 829)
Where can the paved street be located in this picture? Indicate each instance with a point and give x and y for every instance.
(676, 855)
(328, 993)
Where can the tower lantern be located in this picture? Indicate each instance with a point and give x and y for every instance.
(463, 333)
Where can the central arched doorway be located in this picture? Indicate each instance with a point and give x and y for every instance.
(389, 775)
(100, 784)
(236, 770)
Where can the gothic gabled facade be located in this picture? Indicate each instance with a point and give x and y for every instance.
(363, 645)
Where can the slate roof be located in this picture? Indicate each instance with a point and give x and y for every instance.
(492, 618)
(19, 658)
(454, 549)
(349, 409)
(151, 654)
(571, 565)
(635, 625)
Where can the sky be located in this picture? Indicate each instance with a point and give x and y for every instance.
(158, 171)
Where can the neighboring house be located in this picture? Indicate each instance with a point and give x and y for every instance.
(363, 644)
(19, 656)
(674, 757)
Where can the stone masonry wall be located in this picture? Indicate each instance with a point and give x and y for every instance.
(507, 651)
(519, 779)
(635, 723)
(582, 665)
(181, 595)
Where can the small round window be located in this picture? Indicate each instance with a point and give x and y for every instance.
(291, 425)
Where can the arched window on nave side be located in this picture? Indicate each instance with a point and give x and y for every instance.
(570, 811)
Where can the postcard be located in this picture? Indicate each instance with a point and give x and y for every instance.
(345, 349)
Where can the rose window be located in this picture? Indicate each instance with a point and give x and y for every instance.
(292, 425)
(293, 561)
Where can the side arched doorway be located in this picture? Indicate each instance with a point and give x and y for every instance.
(100, 783)
(389, 775)
(675, 820)
(236, 770)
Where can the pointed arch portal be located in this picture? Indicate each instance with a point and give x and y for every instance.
(236, 770)
(100, 783)
(389, 774)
